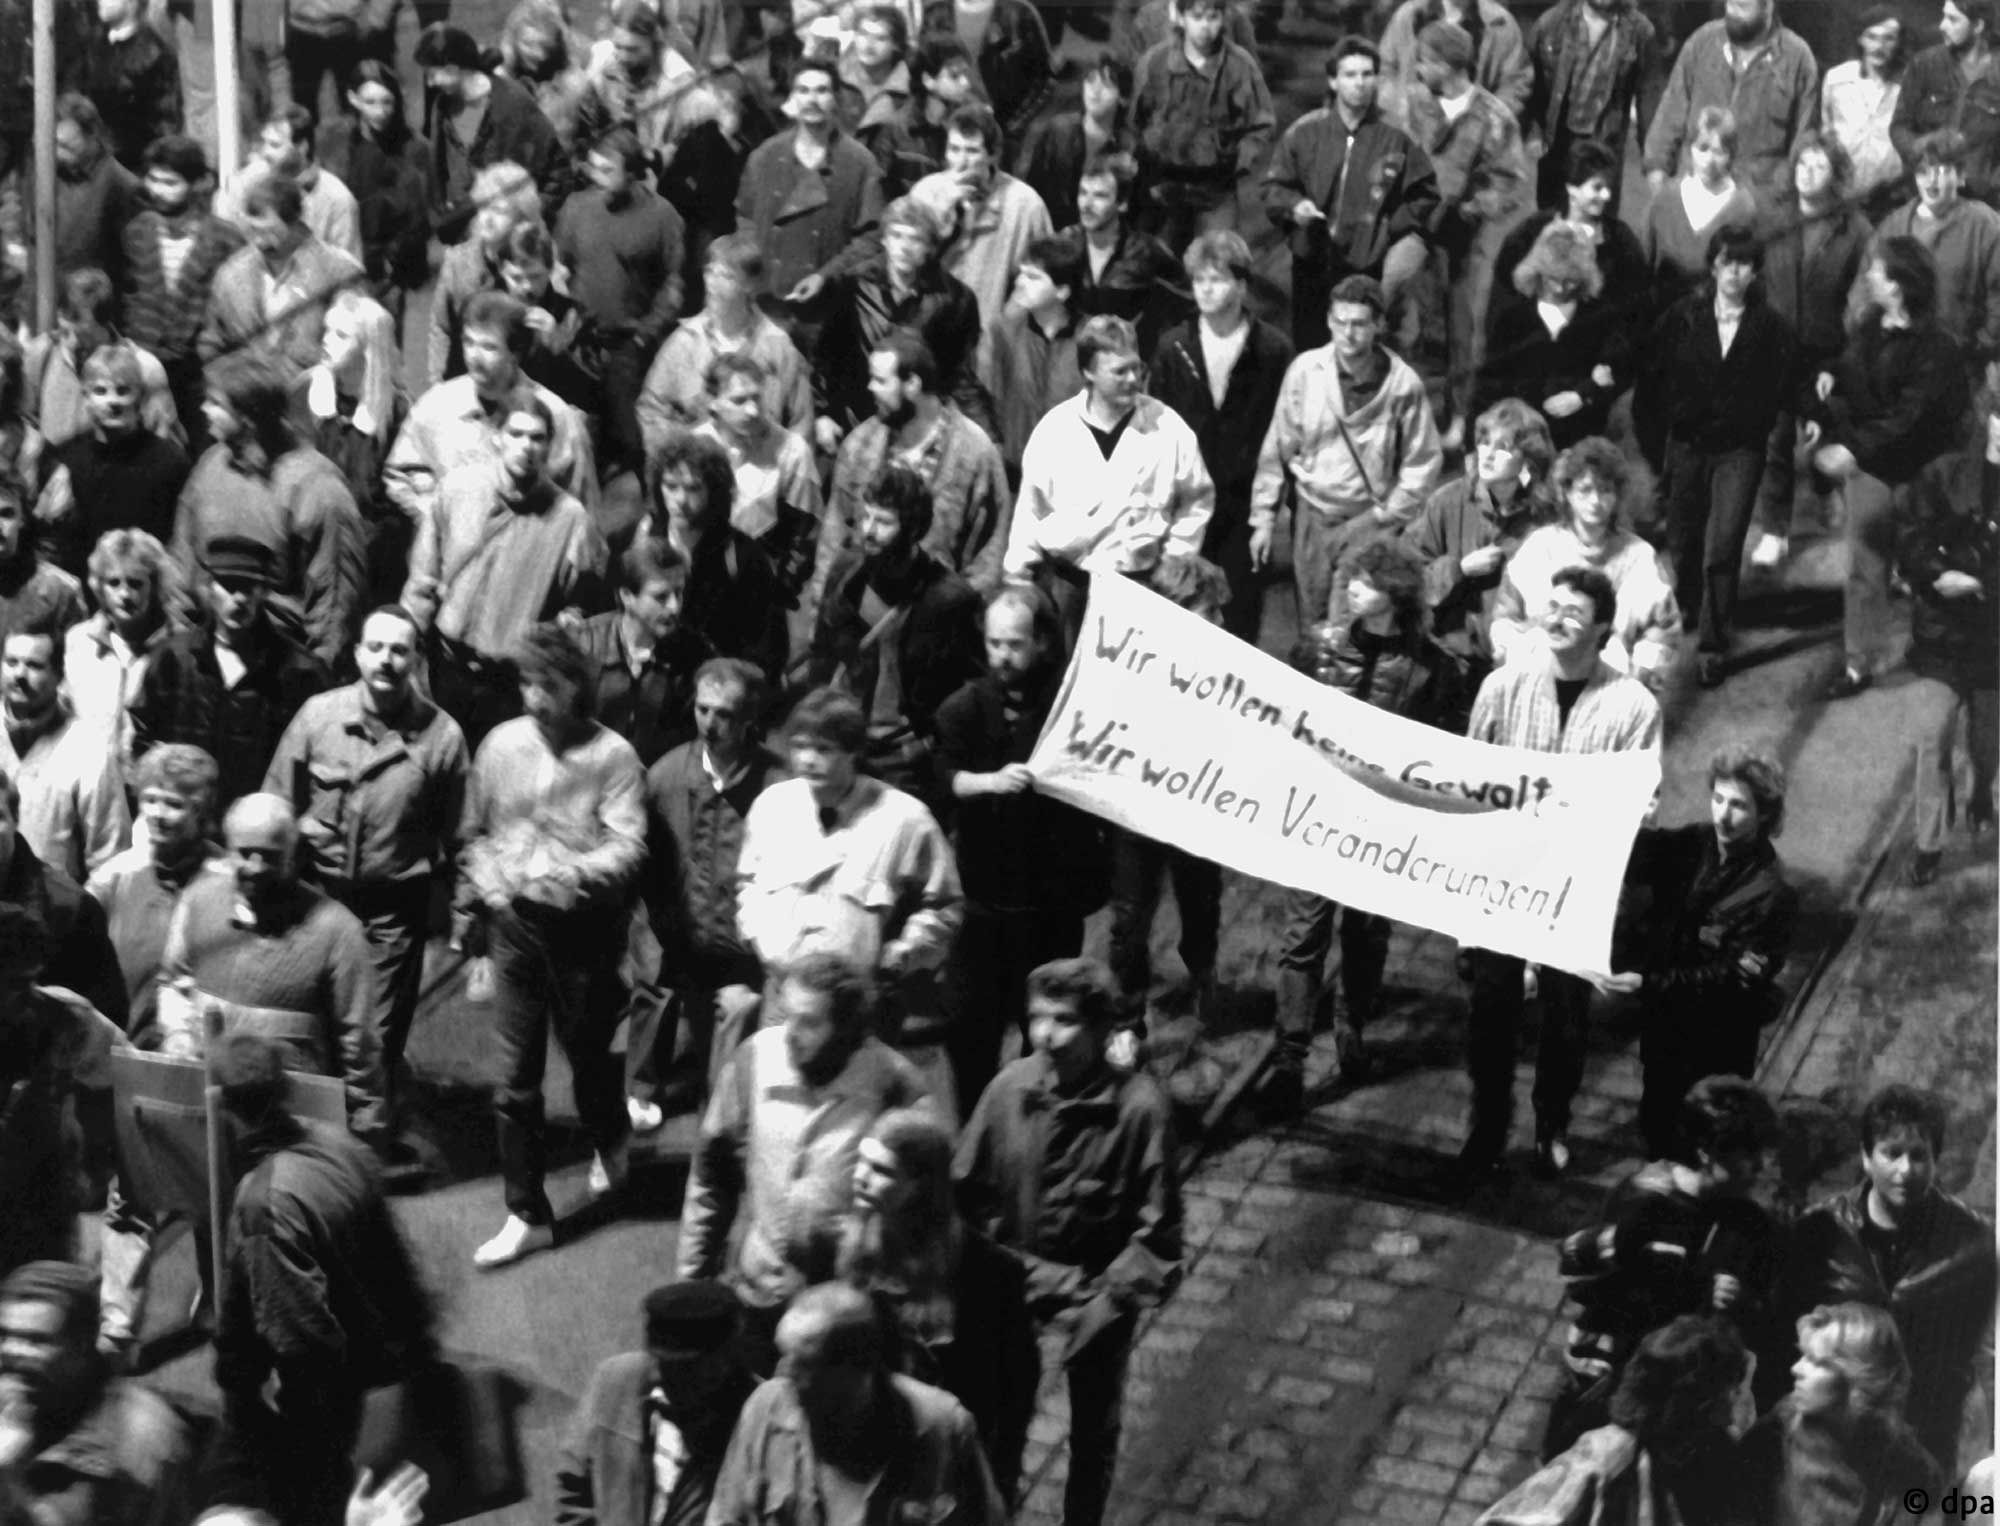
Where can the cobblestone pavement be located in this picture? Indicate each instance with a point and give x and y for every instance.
(1351, 1346)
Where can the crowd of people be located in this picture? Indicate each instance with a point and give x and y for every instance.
(675, 654)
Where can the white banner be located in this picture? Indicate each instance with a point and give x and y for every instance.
(1171, 727)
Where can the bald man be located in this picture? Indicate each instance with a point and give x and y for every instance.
(255, 950)
(837, 1419)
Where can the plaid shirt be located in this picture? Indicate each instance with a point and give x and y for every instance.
(1517, 707)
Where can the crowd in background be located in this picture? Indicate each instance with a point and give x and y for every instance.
(623, 516)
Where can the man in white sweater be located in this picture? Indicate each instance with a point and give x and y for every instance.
(1111, 481)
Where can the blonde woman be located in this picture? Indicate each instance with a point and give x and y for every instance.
(349, 408)
(1683, 215)
(1836, 1450)
(540, 50)
(504, 196)
(132, 582)
(1598, 487)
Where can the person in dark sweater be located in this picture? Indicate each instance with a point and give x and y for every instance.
(1032, 867)
(899, 630)
(1892, 403)
(1949, 553)
(1222, 372)
(477, 118)
(376, 155)
(623, 246)
(1566, 348)
(1717, 369)
(1057, 148)
(1681, 1235)
(118, 475)
(132, 75)
(95, 193)
(645, 656)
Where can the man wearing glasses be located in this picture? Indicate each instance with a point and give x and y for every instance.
(1565, 698)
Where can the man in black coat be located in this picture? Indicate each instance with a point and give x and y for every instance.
(1032, 867)
(1232, 432)
(1899, 1242)
(1717, 929)
(475, 118)
(897, 629)
(232, 688)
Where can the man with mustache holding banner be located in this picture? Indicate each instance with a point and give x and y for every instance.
(1567, 699)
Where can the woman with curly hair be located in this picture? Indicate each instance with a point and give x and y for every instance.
(1836, 1450)
(1472, 526)
(1566, 348)
(1599, 489)
(1665, 1457)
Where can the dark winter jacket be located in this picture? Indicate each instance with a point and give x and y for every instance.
(809, 222)
(1625, 1286)
(938, 648)
(1939, 1284)
(1458, 520)
(1899, 399)
(1015, 61)
(1232, 435)
(391, 182)
(1015, 852)
(1387, 191)
(183, 699)
(1403, 672)
(1523, 361)
(321, 1287)
(1143, 283)
(1708, 912)
(1954, 526)
(513, 130)
(860, 309)
(81, 956)
(1052, 159)
(604, 1472)
(1691, 392)
(136, 86)
(654, 709)
(1809, 267)
(694, 840)
(1934, 97)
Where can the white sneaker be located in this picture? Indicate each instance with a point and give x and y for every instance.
(1770, 551)
(608, 1171)
(517, 1238)
(646, 1116)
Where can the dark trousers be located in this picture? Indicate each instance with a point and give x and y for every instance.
(313, 59)
(1308, 939)
(986, 983)
(1497, 1007)
(626, 362)
(1678, 1045)
(553, 973)
(1710, 498)
(1227, 544)
(396, 918)
(1582, 1404)
(477, 691)
(1096, 1418)
(1138, 867)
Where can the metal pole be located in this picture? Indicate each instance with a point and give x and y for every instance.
(45, 165)
(228, 114)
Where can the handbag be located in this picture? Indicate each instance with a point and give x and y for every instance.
(456, 1422)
